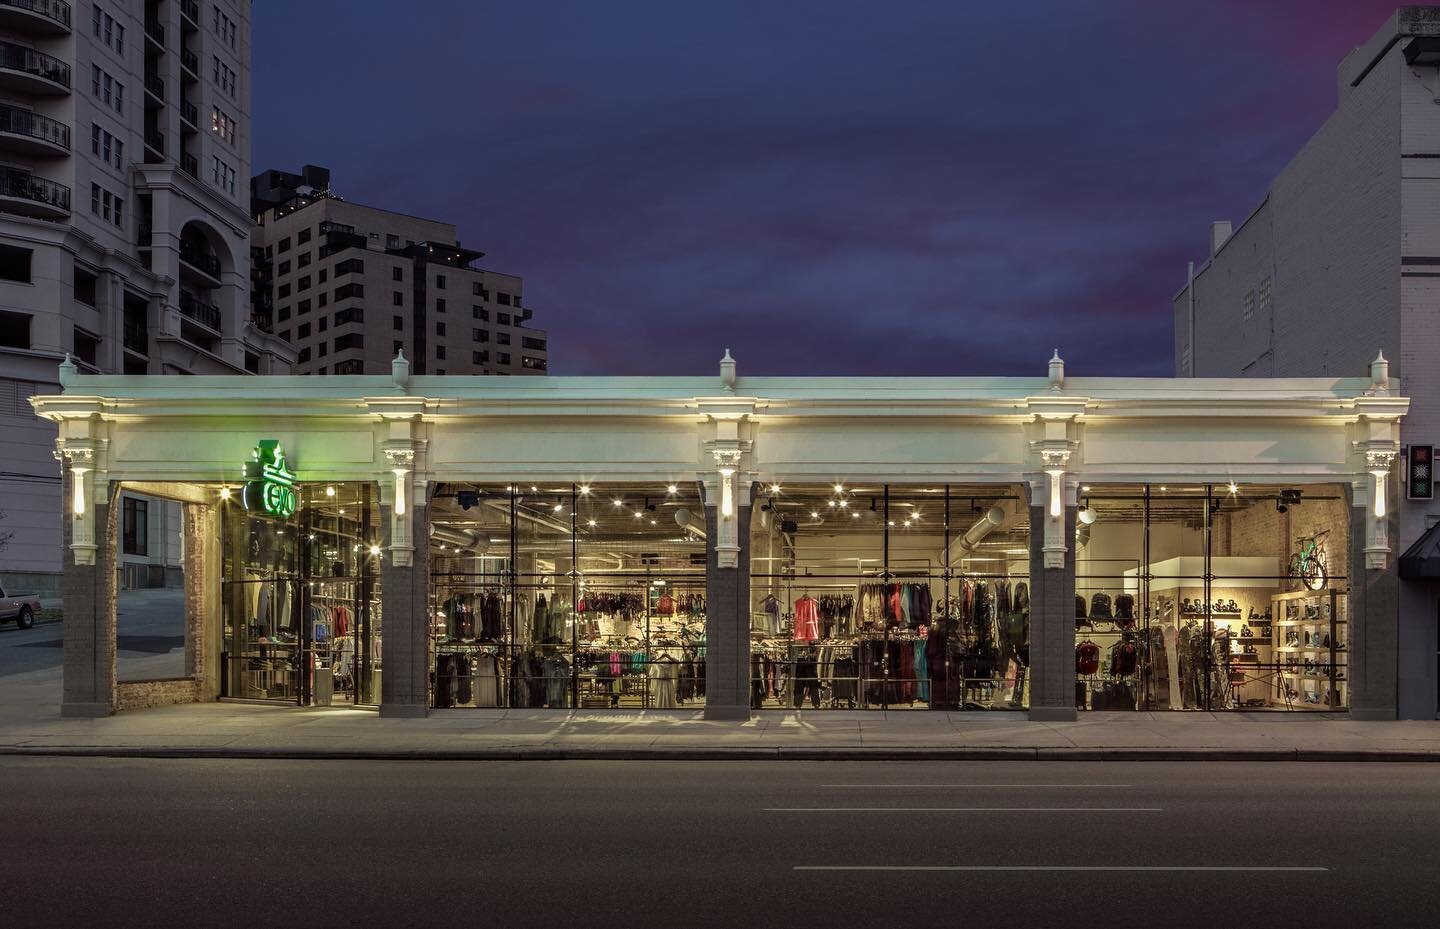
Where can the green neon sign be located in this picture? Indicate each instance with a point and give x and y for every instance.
(269, 481)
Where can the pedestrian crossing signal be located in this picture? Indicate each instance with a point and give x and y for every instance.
(1420, 472)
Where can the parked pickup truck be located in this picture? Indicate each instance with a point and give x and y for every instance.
(20, 610)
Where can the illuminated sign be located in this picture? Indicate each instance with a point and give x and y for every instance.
(269, 482)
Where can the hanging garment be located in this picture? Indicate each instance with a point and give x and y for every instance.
(1020, 600)
(807, 619)
(807, 682)
(663, 676)
(557, 681)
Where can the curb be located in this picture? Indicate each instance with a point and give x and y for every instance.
(737, 754)
(11, 627)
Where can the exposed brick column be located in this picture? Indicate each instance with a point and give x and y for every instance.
(727, 624)
(404, 619)
(1374, 626)
(88, 592)
(200, 524)
(1052, 624)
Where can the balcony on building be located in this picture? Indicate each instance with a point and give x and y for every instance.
(194, 308)
(190, 64)
(136, 336)
(154, 145)
(154, 87)
(199, 264)
(32, 134)
(39, 17)
(336, 237)
(190, 10)
(190, 165)
(155, 31)
(190, 114)
(24, 193)
(27, 71)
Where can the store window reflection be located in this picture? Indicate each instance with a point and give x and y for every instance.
(889, 596)
(301, 597)
(1233, 597)
(568, 595)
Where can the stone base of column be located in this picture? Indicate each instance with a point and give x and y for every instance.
(1054, 714)
(403, 711)
(1374, 715)
(87, 710)
(713, 711)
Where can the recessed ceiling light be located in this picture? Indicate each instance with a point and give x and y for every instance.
(814, 514)
(619, 502)
(591, 523)
(774, 488)
(672, 489)
(839, 488)
(584, 491)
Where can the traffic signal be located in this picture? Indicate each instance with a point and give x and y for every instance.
(1420, 472)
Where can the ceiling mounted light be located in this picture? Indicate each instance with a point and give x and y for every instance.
(672, 489)
(618, 502)
(224, 493)
(1233, 487)
(591, 524)
(585, 490)
(774, 488)
(839, 488)
(814, 514)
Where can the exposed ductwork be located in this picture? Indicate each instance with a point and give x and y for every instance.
(988, 522)
(688, 520)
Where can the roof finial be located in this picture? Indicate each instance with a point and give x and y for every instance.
(1057, 371)
(727, 373)
(1380, 374)
(67, 371)
(400, 369)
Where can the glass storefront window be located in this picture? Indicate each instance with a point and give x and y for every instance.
(568, 595)
(301, 598)
(1230, 600)
(889, 596)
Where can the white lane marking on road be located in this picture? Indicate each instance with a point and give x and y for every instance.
(1132, 868)
(963, 786)
(961, 809)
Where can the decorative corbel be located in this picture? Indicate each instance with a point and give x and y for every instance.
(79, 458)
(727, 537)
(401, 457)
(1055, 457)
(1378, 461)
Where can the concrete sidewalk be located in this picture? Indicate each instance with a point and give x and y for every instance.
(242, 730)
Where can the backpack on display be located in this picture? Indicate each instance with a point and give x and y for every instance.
(1079, 607)
(1087, 658)
(1124, 660)
(1100, 606)
(1124, 606)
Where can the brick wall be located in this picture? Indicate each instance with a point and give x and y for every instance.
(89, 630)
(727, 624)
(404, 599)
(139, 695)
(1328, 237)
(1260, 530)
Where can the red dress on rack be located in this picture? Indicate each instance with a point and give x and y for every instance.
(807, 619)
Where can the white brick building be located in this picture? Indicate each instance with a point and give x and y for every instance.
(1341, 258)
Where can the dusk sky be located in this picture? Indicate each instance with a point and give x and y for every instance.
(927, 188)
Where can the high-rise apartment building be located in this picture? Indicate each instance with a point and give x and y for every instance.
(1340, 260)
(350, 285)
(124, 225)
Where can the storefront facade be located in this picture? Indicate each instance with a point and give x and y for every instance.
(1050, 545)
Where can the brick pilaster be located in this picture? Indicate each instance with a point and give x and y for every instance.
(727, 624)
(404, 620)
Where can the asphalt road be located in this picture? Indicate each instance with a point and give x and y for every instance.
(588, 844)
(150, 638)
